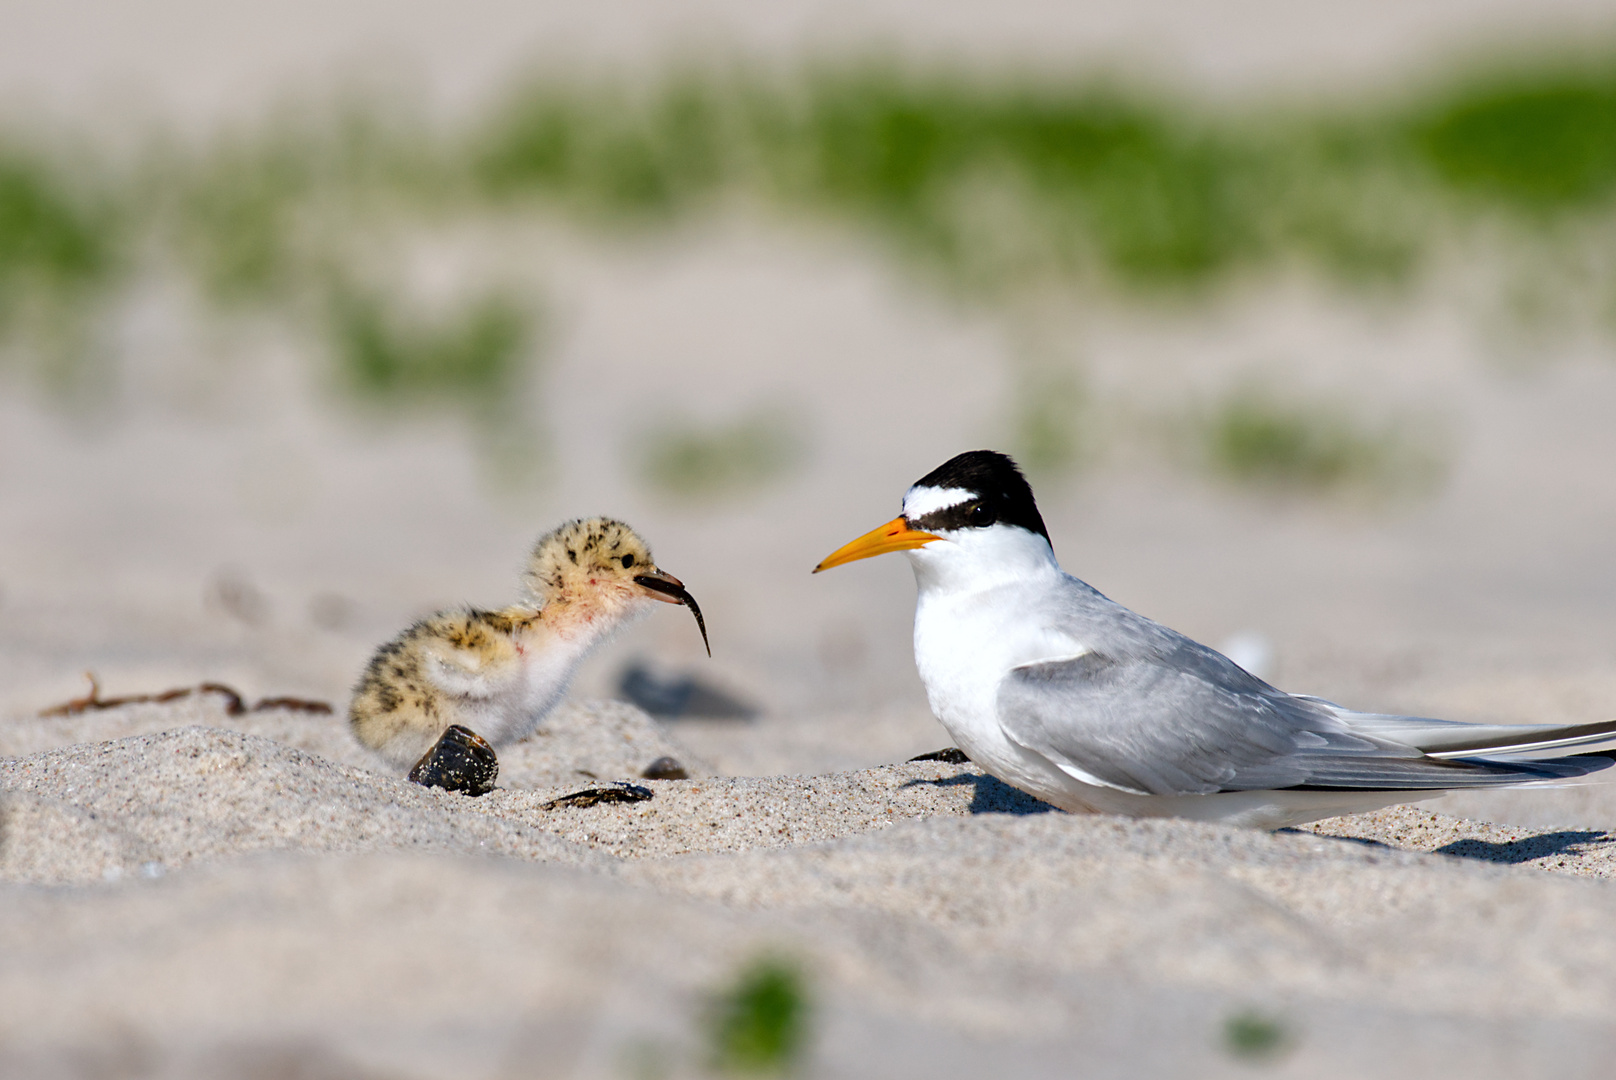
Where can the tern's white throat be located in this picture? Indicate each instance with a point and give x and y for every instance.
(976, 560)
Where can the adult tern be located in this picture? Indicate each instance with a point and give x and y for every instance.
(1071, 697)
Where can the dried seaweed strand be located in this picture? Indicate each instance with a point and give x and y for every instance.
(234, 704)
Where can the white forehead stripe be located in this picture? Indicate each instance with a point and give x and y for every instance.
(926, 500)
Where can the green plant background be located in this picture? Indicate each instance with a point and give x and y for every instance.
(981, 188)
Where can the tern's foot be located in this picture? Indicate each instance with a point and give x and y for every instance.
(459, 761)
(617, 793)
(953, 755)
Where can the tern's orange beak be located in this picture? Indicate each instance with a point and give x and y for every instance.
(895, 535)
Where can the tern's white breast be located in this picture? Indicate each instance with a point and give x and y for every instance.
(965, 644)
(984, 607)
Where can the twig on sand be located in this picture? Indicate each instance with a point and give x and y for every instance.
(234, 704)
(619, 793)
(294, 704)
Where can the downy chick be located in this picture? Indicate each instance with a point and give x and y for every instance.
(494, 675)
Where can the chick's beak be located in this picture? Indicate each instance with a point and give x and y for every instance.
(665, 587)
(895, 535)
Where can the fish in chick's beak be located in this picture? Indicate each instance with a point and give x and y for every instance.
(665, 587)
(895, 535)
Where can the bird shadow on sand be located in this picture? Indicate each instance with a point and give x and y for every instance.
(991, 796)
(1512, 853)
(1529, 848)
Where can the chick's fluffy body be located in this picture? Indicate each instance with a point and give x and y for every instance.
(500, 672)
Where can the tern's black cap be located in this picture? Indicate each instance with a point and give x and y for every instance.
(1000, 494)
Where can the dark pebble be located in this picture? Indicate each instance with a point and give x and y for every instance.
(459, 761)
(665, 768)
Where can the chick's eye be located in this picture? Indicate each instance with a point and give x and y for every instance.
(981, 515)
(628, 561)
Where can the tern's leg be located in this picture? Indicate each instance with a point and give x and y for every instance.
(459, 761)
(951, 755)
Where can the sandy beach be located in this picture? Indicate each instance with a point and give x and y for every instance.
(189, 893)
(219, 881)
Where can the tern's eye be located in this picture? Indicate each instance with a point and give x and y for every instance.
(628, 561)
(980, 514)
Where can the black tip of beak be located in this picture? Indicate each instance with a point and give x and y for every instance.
(680, 593)
(701, 624)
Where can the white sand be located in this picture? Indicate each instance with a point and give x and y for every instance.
(185, 893)
(200, 901)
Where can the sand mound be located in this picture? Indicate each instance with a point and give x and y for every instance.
(199, 901)
(403, 966)
(579, 741)
(150, 802)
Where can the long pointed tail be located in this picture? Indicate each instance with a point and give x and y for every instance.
(1505, 742)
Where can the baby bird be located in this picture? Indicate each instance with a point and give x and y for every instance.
(445, 689)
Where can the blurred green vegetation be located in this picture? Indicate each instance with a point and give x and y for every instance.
(257, 214)
(990, 182)
(985, 186)
(60, 250)
(1154, 194)
(1256, 1036)
(1542, 141)
(234, 216)
(1257, 437)
(46, 234)
(980, 181)
(1053, 423)
(692, 460)
(986, 181)
(604, 152)
(758, 1026)
(472, 353)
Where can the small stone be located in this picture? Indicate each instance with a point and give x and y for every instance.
(461, 760)
(665, 768)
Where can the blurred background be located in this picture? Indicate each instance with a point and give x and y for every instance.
(1300, 315)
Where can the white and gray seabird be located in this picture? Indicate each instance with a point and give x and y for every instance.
(1071, 697)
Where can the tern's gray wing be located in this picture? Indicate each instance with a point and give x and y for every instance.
(1155, 713)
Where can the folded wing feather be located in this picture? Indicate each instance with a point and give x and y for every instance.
(1185, 720)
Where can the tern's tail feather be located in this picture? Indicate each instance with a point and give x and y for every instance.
(1511, 742)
